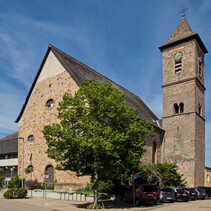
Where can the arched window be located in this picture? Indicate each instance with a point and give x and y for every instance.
(154, 152)
(31, 139)
(176, 108)
(178, 61)
(181, 107)
(30, 169)
(49, 170)
(178, 66)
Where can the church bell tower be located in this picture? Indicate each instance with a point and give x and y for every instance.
(183, 102)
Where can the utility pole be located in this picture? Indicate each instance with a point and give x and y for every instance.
(22, 173)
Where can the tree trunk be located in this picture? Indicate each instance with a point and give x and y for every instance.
(95, 188)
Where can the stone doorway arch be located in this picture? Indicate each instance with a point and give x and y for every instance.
(49, 170)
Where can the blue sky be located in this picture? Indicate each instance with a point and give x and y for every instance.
(118, 38)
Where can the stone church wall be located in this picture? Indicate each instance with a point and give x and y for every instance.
(184, 136)
(37, 114)
(52, 83)
(150, 155)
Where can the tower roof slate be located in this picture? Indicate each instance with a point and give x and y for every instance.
(79, 72)
(182, 30)
(183, 33)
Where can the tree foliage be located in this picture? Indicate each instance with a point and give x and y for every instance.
(97, 133)
(165, 174)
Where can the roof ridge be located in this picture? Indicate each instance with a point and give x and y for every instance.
(183, 33)
(79, 75)
(11, 136)
(79, 72)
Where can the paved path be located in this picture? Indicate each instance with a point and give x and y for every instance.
(63, 205)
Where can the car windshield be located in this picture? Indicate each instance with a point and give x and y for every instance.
(201, 190)
(192, 190)
(150, 188)
(166, 190)
(180, 190)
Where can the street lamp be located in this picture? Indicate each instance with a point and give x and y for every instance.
(22, 174)
(11, 171)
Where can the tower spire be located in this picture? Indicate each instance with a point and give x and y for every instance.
(182, 33)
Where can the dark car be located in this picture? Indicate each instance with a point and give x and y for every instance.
(193, 193)
(187, 191)
(144, 193)
(181, 194)
(166, 195)
(201, 193)
(208, 190)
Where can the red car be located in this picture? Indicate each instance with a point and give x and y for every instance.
(144, 193)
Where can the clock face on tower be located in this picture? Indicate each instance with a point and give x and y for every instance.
(178, 56)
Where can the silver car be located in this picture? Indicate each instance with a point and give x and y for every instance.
(166, 195)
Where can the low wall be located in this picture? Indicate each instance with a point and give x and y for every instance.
(59, 195)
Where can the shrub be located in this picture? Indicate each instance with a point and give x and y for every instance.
(8, 194)
(92, 206)
(103, 187)
(2, 181)
(13, 193)
(20, 192)
(15, 183)
(85, 190)
(49, 185)
(166, 174)
(33, 184)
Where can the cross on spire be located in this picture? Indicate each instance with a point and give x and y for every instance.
(183, 11)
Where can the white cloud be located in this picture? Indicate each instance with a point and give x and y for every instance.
(22, 52)
(21, 47)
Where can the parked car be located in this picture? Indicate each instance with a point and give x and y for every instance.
(187, 191)
(201, 193)
(193, 193)
(144, 193)
(166, 195)
(181, 194)
(208, 190)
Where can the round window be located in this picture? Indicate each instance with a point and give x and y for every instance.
(30, 169)
(50, 103)
(31, 139)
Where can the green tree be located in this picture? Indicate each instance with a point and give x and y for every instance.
(2, 177)
(1, 171)
(165, 174)
(98, 134)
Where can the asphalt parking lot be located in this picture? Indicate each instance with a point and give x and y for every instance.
(61, 205)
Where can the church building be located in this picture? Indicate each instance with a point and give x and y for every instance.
(180, 134)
